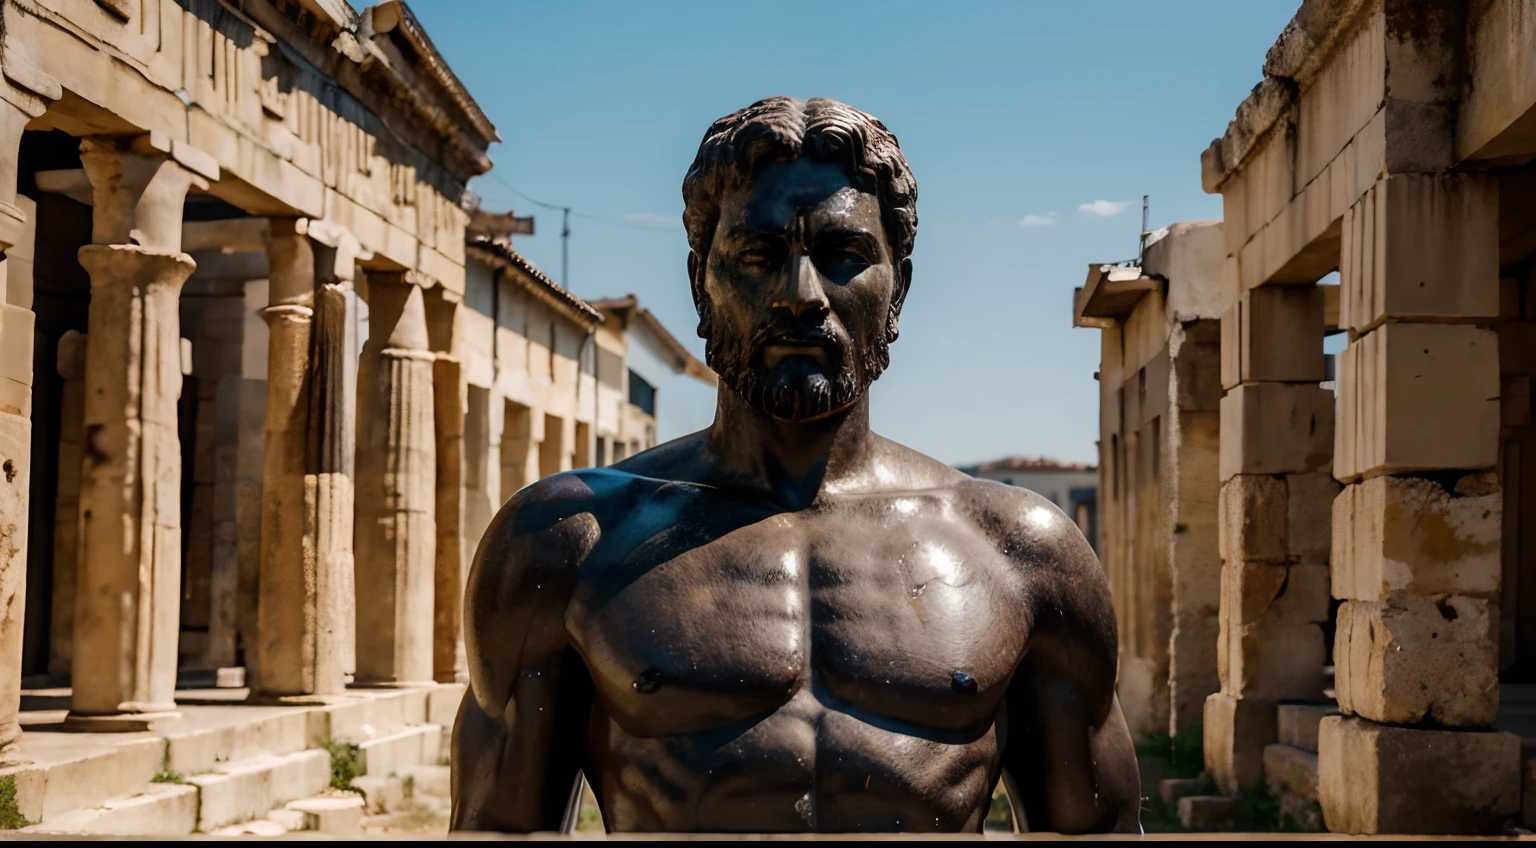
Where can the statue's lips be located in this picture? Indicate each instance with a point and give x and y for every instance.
(780, 349)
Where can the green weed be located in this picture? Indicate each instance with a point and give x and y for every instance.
(10, 814)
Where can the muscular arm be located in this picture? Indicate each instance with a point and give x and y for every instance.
(520, 737)
(1069, 761)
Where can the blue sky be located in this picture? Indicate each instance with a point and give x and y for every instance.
(1033, 129)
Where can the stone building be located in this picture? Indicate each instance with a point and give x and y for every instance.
(1159, 326)
(1382, 531)
(265, 376)
(639, 360)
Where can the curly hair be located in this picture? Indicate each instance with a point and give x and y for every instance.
(784, 128)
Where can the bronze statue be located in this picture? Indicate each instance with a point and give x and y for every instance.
(786, 622)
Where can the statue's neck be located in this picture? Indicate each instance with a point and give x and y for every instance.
(794, 461)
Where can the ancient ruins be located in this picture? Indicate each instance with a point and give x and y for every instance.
(1372, 519)
(266, 373)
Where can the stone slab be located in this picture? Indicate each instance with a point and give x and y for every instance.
(1297, 724)
(1206, 812)
(1290, 770)
(337, 814)
(1375, 778)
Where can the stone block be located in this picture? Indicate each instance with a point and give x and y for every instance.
(1421, 246)
(381, 794)
(16, 343)
(1375, 778)
(1297, 723)
(1236, 731)
(1417, 397)
(443, 702)
(1419, 660)
(1253, 519)
(1273, 333)
(1271, 646)
(386, 755)
(290, 820)
(336, 814)
(1291, 770)
(92, 780)
(201, 751)
(1206, 812)
(430, 779)
(1309, 514)
(1407, 536)
(1171, 789)
(1276, 428)
(164, 809)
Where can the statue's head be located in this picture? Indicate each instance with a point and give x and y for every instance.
(801, 216)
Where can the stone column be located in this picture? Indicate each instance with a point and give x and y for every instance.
(304, 608)
(1276, 446)
(16, 321)
(1416, 545)
(126, 612)
(396, 488)
(521, 446)
(451, 400)
(66, 521)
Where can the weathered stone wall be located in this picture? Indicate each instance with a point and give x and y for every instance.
(1367, 149)
(1157, 494)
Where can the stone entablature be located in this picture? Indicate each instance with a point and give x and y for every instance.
(307, 109)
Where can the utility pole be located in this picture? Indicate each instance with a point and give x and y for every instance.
(565, 247)
(1141, 247)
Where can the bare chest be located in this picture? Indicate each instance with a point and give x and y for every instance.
(892, 609)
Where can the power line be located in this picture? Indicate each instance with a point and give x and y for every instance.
(567, 213)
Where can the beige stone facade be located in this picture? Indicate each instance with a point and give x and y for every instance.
(1374, 523)
(1159, 332)
(265, 377)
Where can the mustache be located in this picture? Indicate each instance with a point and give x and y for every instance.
(780, 332)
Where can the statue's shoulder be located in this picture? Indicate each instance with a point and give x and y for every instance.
(1028, 529)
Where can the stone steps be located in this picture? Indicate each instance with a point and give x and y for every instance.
(389, 755)
(248, 789)
(166, 809)
(235, 773)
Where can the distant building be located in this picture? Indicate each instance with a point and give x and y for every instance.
(650, 388)
(1072, 486)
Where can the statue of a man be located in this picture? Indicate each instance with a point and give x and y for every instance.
(786, 622)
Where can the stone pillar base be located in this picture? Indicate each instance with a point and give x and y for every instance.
(258, 699)
(1378, 778)
(1236, 731)
(119, 723)
(393, 684)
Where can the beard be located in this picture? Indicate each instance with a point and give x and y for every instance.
(797, 388)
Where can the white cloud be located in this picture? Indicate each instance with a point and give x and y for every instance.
(1046, 220)
(651, 219)
(1105, 208)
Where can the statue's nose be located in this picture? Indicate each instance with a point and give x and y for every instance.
(804, 293)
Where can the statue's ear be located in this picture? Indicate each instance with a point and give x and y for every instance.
(700, 297)
(898, 297)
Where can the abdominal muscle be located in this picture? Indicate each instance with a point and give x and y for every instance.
(806, 767)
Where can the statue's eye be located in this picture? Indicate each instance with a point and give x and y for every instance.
(757, 257)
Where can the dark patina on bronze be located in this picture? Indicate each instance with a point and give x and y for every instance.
(787, 622)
